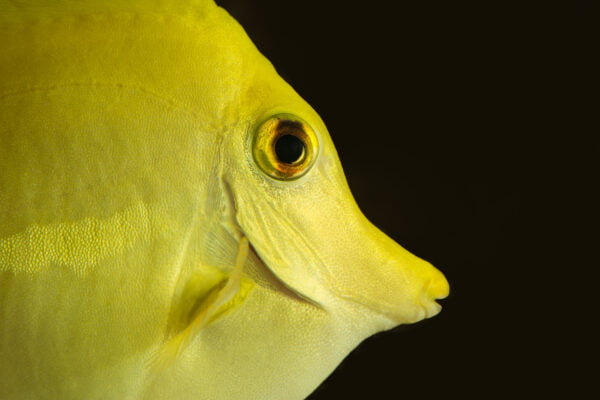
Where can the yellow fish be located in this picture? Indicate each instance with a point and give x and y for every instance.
(174, 219)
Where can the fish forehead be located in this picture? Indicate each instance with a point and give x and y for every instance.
(192, 54)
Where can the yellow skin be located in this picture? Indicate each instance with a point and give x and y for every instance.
(127, 187)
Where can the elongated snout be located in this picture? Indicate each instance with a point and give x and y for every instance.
(390, 281)
(435, 287)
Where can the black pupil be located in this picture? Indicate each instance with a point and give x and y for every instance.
(289, 148)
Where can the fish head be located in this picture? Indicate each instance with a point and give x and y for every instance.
(292, 201)
(161, 134)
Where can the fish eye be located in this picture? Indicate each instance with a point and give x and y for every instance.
(285, 147)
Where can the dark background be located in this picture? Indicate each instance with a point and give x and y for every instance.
(454, 127)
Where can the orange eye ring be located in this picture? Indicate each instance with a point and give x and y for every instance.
(285, 147)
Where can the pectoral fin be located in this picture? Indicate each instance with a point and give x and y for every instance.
(207, 311)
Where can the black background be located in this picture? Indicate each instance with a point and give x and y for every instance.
(454, 126)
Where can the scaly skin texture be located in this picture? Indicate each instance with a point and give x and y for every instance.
(127, 182)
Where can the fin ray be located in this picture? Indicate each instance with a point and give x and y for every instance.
(208, 308)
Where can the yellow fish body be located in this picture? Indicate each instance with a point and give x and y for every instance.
(174, 219)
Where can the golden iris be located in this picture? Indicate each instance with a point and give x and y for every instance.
(285, 147)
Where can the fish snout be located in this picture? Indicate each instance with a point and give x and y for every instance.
(437, 288)
(392, 283)
(414, 286)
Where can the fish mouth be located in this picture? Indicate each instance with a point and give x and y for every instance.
(431, 309)
(424, 310)
(430, 293)
(408, 311)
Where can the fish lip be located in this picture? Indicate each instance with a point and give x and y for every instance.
(424, 304)
(422, 311)
(432, 309)
(428, 303)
